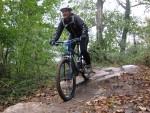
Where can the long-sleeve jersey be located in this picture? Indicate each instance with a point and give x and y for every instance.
(74, 25)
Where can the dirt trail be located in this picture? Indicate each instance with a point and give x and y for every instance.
(103, 83)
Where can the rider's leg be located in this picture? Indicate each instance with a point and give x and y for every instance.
(84, 52)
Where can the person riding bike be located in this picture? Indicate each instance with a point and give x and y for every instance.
(76, 28)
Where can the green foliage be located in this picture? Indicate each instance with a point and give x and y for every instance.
(88, 6)
(139, 55)
(108, 53)
(145, 32)
(25, 56)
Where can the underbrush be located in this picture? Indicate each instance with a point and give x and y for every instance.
(134, 55)
(17, 86)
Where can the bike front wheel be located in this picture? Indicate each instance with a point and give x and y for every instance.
(65, 80)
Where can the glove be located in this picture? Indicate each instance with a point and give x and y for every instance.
(52, 42)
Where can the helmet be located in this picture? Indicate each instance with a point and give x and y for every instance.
(66, 9)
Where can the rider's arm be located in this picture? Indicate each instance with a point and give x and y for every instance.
(81, 23)
(59, 31)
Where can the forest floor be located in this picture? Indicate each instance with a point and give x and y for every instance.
(110, 90)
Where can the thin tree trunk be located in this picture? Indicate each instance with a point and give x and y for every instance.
(126, 27)
(1, 8)
(134, 40)
(99, 20)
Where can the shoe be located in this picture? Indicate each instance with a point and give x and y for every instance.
(88, 69)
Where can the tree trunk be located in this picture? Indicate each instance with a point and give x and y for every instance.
(99, 20)
(1, 8)
(134, 40)
(126, 27)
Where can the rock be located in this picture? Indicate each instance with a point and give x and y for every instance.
(30, 107)
(112, 69)
(131, 69)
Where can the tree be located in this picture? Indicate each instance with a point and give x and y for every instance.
(21, 25)
(99, 20)
(127, 8)
(24, 49)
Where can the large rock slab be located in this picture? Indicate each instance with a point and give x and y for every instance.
(30, 107)
(130, 69)
(106, 73)
(100, 75)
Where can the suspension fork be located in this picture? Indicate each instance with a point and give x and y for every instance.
(79, 54)
(78, 51)
(73, 66)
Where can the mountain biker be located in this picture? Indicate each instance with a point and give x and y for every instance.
(76, 28)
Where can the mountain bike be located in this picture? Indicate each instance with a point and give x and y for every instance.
(71, 65)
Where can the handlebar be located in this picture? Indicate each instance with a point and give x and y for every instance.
(69, 41)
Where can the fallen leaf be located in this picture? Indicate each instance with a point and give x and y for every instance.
(142, 108)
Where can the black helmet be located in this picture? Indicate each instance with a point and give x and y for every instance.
(66, 9)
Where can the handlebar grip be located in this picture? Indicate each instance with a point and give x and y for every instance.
(71, 41)
(56, 44)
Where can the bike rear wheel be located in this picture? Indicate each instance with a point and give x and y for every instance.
(65, 80)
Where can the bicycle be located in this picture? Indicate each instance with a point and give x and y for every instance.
(69, 68)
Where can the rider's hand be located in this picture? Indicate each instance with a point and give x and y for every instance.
(52, 42)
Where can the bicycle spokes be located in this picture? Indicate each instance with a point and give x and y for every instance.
(66, 80)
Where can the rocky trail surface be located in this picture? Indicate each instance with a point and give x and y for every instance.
(123, 89)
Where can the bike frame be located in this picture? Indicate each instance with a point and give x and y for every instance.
(70, 53)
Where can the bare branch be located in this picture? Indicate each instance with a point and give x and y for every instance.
(141, 3)
(122, 4)
(136, 5)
